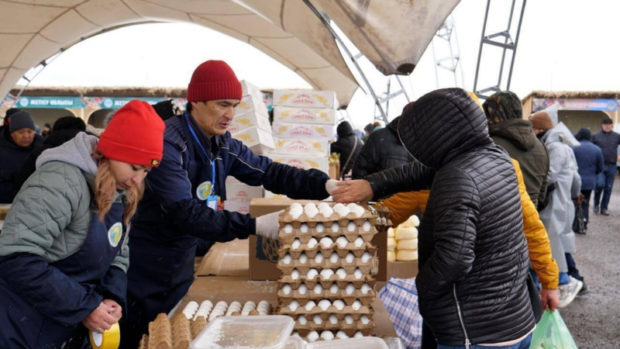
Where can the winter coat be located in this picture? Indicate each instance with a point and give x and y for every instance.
(12, 157)
(382, 150)
(473, 255)
(590, 162)
(46, 227)
(559, 213)
(347, 142)
(173, 214)
(519, 140)
(608, 142)
(403, 205)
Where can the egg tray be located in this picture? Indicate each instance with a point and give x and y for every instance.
(166, 333)
(349, 332)
(328, 230)
(327, 325)
(326, 264)
(311, 252)
(369, 213)
(366, 299)
(285, 310)
(326, 294)
(366, 269)
(327, 284)
(342, 283)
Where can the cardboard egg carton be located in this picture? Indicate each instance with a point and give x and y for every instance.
(349, 292)
(288, 215)
(310, 283)
(311, 252)
(335, 274)
(337, 307)
(342, 300)
(349, 228)
(366, 264)
(304, 322)
(340, 334)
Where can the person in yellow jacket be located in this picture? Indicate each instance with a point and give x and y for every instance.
(403, 205)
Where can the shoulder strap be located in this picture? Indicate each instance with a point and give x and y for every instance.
(343, 170)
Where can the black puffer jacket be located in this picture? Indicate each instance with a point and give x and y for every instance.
(519, 140)
(473, 254)
(347, 142)
(381, 151)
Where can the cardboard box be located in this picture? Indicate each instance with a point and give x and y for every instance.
(251, 103)
(304, 115)
(247, 120)
(225, 259)
(305, 98)
(312, 147)
(249, 89)
(263, 261)
(402, 270)
(259, 141)
(239, 195)
(303, 162)
(302, 131)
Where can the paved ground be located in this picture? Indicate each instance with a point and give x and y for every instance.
(594, 319)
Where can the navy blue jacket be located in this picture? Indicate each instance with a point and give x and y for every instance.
(590, 162)
(12, 158)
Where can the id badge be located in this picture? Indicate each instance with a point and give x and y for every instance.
(213, 202)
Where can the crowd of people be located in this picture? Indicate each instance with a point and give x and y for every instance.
(500, 196)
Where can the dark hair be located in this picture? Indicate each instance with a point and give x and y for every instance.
(188, 107)
(503, 105)
(607, 120)
(165, 109)
(69, 123)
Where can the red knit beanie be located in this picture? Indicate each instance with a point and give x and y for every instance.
(134, 135)
(213, 80)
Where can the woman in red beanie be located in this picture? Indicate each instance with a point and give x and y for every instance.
(63, 247)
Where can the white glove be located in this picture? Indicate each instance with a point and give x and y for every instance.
(331, 185)
(267, 225)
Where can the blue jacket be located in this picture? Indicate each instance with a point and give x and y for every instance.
(13, 157)
(590, 162)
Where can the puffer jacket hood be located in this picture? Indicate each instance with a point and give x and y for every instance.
(393, 125)
(344, 129)
(442, 125)
(517, 131)
(584, 134)
(77, 152)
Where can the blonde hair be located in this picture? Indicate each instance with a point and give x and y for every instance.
(105, 190)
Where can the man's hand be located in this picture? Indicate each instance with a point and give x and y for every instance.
(549, 299)
(353, 191)
(267, 225)
(118, 310)
(101, 318)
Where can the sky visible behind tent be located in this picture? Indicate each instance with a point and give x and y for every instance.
(564, 45)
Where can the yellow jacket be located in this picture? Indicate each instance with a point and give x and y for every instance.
(403, 205)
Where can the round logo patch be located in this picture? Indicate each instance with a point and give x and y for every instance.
(203, 190)
(114, 234)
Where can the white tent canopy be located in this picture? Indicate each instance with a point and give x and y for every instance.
(33, 30)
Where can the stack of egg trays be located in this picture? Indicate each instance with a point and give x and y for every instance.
(304, 228)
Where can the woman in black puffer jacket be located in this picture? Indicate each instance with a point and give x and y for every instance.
(472, 252)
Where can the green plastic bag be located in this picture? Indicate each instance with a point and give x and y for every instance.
(551, 333)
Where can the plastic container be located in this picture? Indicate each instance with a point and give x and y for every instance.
(357, 343)
(245, 332)
(295, 342)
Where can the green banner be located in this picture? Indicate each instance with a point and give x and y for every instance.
(54, 102)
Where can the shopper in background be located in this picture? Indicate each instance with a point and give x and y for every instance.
(16, 143)
(63, 247)
(348, 146)
(608, 141)
(590, 163)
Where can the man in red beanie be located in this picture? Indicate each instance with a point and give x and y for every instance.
(181, 202)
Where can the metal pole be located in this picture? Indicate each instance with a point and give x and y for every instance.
(516, 42)
(484, 27)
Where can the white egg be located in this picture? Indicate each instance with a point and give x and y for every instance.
(312, 336)
(358, 334)
(356, 305)
(303, 228)
(295, 210)
(318, 258)
(303, 259)
(326, 274)
(318, 289)
(310, 305)
(296, 244)
(302, 289)
(333, 319)
(357, 210)
(333, 289)
(349, 258)
(312, 273)
(326, 212)
(335, 227)
(302, 320)
(311, 210)
(348, 319)
(349, 289)
(366, 257)
(288, 228)
(366, 226)
(364, 319)
(327, 242)
(366, 288)
(294, 274)
(327, 335)
(339, 304)
(317, 319)
(287, 259)
(359, 242)
(293, 305)
(334, 258)
(323, 205)
(312, 243)
(324, 304)
(319, 228)
(342, 242)
(358, 274)
(351, 227)
(341, 335)
(286, 289)
(342, 274)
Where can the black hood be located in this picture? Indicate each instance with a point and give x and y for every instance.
(344, 129)
(584, 134)
(442, 125)
(516, 131)
(393, 125)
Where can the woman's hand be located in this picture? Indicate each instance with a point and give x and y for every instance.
(353, 191)
(104, 316)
